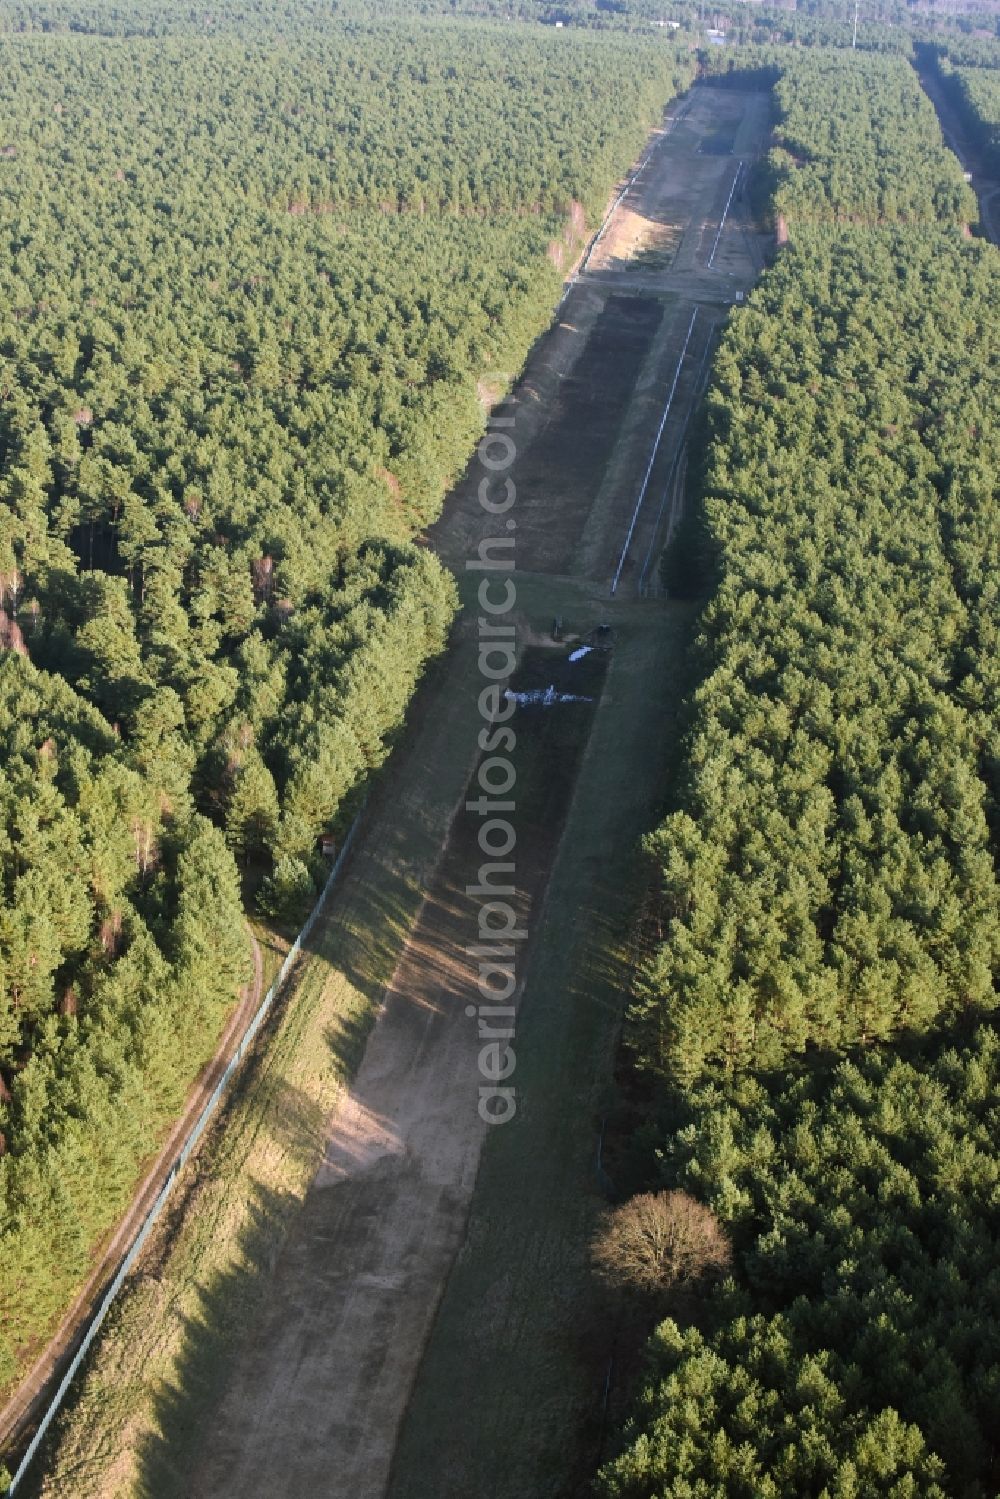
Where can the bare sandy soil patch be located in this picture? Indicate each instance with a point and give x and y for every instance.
(357, 1285)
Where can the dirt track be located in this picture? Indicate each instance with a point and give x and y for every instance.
(358, 1283)
(27, 1403)
(360, 1278)
(315, 1400)
(588, 408)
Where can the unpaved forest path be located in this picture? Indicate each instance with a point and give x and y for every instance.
(34, 1389)
(315, 1400)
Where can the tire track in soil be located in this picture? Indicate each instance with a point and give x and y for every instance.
(358, 1284)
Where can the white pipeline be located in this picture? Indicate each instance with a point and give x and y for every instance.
(652, 456)
(725, 215)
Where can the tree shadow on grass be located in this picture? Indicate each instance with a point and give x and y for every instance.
(231, 1303)
(228, 1307)
(362, 940)
(365, 938)
(364, 944)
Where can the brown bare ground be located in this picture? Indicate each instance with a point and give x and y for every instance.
(321, 1387)
(587, 411)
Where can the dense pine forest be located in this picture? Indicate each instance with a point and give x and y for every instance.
(861, 144)
(977, 51)
(976, 92)
(251, 328)
(829, 879)
(812, 1025)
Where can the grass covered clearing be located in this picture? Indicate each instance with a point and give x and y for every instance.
(508, 1382)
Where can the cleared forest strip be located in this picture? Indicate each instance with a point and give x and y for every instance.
(520, 1331)
(984, 186)
(510, 1343)
(644, 486)
(357, 1285)
(151, 1390)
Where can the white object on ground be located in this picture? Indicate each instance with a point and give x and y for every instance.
(543, 697)
(580, 652)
